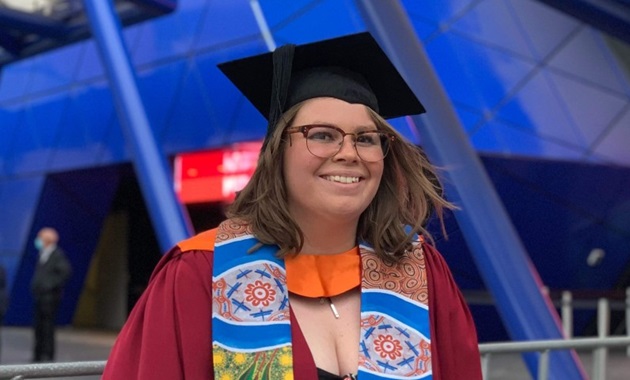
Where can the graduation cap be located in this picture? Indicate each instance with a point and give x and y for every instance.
(352, 68)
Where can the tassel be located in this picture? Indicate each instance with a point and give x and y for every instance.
(282, 70)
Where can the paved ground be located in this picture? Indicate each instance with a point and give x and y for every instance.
(72, 345)
(85, 345)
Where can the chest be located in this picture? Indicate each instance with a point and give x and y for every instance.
(331, 328)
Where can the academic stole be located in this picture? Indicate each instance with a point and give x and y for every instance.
(251, 328)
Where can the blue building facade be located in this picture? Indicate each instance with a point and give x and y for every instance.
(543, 97)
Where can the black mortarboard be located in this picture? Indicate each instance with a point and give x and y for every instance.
(353, 68)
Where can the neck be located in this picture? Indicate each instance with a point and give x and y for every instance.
(327, 236)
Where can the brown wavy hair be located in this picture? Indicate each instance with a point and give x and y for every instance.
(407, 196)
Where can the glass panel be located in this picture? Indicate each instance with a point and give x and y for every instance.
(28, 28)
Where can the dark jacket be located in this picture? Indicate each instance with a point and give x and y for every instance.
(51, 276)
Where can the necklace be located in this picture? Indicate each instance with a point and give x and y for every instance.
(331, 304)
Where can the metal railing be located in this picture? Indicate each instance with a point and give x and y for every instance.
(51, 370)
(567, 306)
(603, 302)
(599, 346)
(56, 370)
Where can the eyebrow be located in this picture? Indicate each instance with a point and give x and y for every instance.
(360, 128)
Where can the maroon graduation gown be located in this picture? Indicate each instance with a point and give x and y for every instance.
(168, 333)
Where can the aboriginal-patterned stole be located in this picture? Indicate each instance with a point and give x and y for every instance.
(251, 328)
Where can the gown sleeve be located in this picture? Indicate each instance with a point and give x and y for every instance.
(167, 335)
(454, 346)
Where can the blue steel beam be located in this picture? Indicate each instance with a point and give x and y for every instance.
(497, 250)
(170, 220)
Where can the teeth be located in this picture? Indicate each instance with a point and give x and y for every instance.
(338, 178)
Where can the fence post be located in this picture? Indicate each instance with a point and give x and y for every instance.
(567, 314)
(543, 365)
(603, 327)
(485, 366)
(628, 318)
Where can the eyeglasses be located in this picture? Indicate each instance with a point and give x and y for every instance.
(325, 141)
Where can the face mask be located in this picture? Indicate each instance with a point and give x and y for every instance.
(39, 244)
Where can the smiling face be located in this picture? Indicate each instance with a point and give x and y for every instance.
(340, 187)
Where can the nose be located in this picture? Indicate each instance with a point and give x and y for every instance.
(347, 150)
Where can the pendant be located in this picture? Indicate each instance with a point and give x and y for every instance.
(331, 304)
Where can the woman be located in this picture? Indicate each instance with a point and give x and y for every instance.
(319, 272)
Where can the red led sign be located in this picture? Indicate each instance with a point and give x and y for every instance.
(215, 175)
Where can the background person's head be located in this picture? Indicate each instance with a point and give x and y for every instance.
(47, 237)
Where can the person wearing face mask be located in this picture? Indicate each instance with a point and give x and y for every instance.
(324, 269)
(52, 271)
